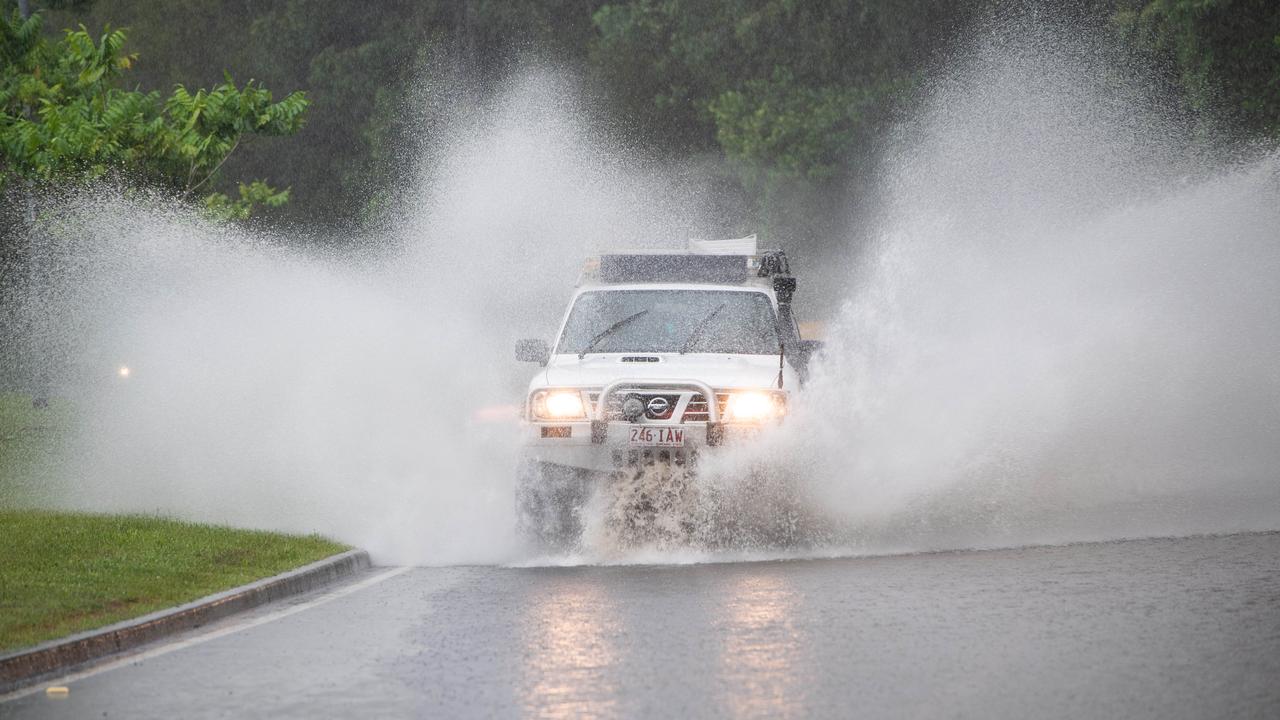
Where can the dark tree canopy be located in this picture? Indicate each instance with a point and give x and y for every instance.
(67, 117)
(788, 97)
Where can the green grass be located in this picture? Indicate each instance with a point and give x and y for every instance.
(62, 573)
(30, 444)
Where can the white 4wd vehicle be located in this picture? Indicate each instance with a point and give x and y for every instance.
(661, 356)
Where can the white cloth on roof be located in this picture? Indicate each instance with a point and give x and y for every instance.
(736, 246)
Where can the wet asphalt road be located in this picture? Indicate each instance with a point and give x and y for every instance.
(1185, 628)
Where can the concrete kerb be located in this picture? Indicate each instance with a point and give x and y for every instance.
(58, 657)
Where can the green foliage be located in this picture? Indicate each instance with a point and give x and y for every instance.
(358, 80)
(371, 71)
(789, 92)
(1225, 53)
(783, 87)
(65, 120)
(780, 126)
(373, 84)
(221, 207)
(793, 94)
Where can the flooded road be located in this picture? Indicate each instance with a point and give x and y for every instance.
(1167, 628)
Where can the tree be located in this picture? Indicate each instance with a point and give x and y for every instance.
(1225, 54)
(782, 87)
(65, 121)
(364, 67)
(793, 94)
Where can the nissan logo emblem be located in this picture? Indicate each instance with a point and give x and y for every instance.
(658, 406)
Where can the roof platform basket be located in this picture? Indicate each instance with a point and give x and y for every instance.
(706, 261)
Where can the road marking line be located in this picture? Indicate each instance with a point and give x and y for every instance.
(131, 658)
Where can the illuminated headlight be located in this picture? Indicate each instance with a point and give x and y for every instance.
(755, 406)
(558, 405)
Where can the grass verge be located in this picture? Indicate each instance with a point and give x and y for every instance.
(62, 573)
(30, 441)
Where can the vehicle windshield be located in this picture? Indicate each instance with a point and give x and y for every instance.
(698, 321)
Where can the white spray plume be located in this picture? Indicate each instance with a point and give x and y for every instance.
(1065, 330)
(368, 397)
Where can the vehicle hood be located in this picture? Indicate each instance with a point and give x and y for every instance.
(718, 371)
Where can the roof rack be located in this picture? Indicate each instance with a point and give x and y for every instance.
(680, 266)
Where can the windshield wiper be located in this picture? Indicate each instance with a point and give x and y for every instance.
(609, 331)
(697, 329)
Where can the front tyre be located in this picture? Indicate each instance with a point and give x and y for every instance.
(549, 500)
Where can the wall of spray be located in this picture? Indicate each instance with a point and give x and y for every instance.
(1064, 330)
(368, 395)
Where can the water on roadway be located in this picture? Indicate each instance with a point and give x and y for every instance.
(1168, 628)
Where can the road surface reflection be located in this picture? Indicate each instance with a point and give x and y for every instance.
(761, 658)
(570, 636)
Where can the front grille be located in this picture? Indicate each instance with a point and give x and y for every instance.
(695, 411)
(697, 408)
(614, 411)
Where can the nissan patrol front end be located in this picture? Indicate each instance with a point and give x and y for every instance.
(660, 357)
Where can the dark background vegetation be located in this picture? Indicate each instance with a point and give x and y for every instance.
(785, 100)
(317, 112)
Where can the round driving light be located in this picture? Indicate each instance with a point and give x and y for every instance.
(632, 408)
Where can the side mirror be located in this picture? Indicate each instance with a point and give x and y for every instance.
(530, 350)
(805, 351)
(809, 348)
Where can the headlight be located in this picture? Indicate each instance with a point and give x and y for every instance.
(558, 405)
(755, 406)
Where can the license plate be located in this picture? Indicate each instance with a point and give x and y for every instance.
(657, 436)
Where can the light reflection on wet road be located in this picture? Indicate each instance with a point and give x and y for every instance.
(569, 643)
(1158, 628)
(761, 646)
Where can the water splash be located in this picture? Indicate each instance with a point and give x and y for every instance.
(1063, 331)
(367, 394)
